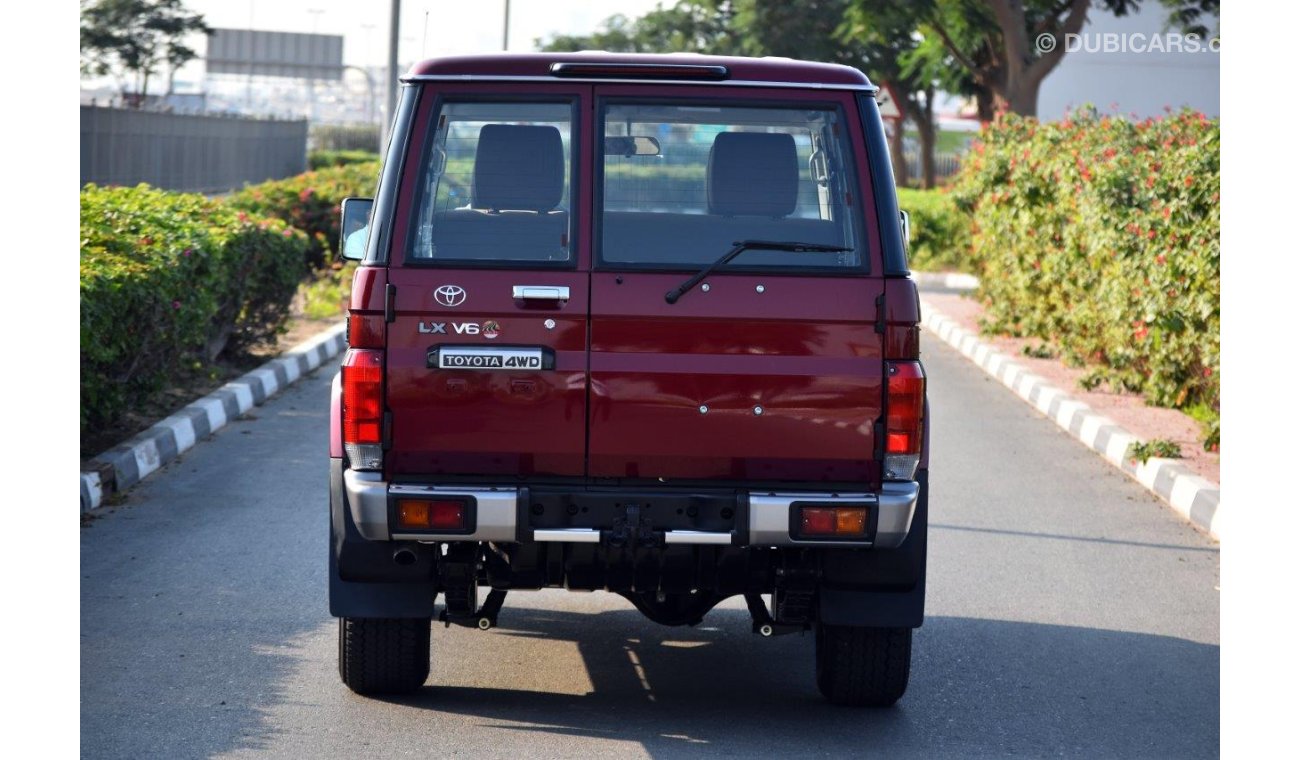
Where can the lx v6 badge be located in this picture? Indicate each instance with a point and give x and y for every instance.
(489, 329)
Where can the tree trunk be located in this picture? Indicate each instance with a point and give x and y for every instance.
(1028, 63)
(984, 106)
(1022, 96)
(896, 155)
(925, 131)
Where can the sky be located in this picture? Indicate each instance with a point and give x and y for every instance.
(453, 27)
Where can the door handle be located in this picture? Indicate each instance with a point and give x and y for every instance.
(541, 292)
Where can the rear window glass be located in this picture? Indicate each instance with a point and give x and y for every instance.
(496, 185)
(683, 182)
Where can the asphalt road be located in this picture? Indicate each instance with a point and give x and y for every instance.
(1068, 613)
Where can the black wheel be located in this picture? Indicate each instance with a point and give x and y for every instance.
(383, 655)
(863, 667)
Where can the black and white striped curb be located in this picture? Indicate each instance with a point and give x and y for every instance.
(128, 463)
(946, 280)
(1192, 496)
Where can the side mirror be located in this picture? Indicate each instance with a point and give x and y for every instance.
(355, 227)
(905, 221)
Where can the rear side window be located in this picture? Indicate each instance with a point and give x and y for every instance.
(496, 184)
(682, 182)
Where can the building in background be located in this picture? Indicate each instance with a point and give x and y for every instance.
(1131, 83)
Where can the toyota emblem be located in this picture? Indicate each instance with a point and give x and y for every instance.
(449, 295)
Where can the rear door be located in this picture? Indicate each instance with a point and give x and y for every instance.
(487, 350)
(771, 368)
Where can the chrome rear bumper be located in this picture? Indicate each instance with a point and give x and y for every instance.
(497, 515)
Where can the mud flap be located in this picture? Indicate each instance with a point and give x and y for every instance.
(890, 584)
(404, 592)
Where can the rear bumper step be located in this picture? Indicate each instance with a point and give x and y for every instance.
(498, 514)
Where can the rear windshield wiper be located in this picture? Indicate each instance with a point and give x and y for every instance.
(743, 245)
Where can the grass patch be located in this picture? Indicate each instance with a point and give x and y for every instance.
(1162, 448)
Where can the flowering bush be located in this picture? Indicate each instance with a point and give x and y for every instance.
(1101, 235)
(310, 202)
(170, 278)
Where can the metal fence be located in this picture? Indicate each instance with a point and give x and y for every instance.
(945, 164)
(191, 152)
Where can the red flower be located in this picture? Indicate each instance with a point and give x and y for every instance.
(1160, 259)
(243, 217)
(306, 193)
(1187, 182)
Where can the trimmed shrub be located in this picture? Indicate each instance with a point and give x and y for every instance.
(168, 279)
(321, 159)
(940, 231)
(1101, 235)
(310, 202)
(345, 137)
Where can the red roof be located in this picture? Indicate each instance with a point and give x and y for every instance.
(785, 70)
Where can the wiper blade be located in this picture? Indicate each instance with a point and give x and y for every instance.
(743, 245)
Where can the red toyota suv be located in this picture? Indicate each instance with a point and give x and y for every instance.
(640, 324)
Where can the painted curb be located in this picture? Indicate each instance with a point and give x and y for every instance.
(128, 463)
(1191, 496)
(946, 280)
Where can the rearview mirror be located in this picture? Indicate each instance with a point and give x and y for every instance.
(354, 228)
(637, 145)
(905, 221)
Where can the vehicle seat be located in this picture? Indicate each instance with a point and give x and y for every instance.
(514, 212)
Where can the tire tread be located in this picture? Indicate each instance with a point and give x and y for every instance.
(863, 667)
(383, 655)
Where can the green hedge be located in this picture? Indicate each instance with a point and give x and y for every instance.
(310, 202)
(321, 159)
(168, 279)
(1101, 236)
(345, 137)
(940, 231)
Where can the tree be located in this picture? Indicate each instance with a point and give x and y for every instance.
(690, 26)
(134, 38)
(1008, 47)
(807, 29)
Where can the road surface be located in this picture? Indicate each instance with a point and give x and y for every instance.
(1068, 613)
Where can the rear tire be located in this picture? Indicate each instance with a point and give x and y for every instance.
(863, 667)
(383, 655)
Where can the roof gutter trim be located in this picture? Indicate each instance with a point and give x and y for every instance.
(605, 80)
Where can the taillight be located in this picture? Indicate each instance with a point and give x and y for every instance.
(363, 408)
(831, 522)
(365, 330)
(438, 514)
(904, 426)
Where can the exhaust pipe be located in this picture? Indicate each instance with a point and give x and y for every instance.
(404, 557)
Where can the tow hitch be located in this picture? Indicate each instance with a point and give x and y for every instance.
(632, 529)
(458, 575)
(792, 600)
(484, 619)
